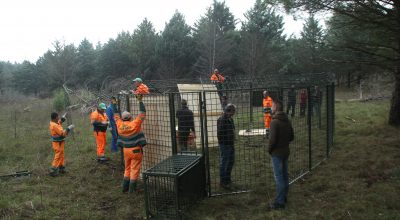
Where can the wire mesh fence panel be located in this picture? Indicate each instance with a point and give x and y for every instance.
(295, 106)
(330, 97)
(243, 160)
(318, 124)
(156, 127)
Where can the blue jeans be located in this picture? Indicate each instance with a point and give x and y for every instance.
(280, 166)
(227, 159)
(114, 146)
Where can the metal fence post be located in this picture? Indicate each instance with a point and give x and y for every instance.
(328, 121)
(333, 112)
(251, 103)
(205, 134)
(172, 123)
(309, 128)
(128, 107)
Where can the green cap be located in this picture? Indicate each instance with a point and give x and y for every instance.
(102, 106)
(138, 80)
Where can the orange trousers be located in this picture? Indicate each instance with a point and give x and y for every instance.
(100, 142)
(133, 161)
(58, 148)
(267, 120)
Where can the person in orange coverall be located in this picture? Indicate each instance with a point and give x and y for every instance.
(218, 79)
(141, 88)
(99, 121)
(132, 139)
(58, 135)
(267, 105)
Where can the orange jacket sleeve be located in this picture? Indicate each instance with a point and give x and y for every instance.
(142, 90)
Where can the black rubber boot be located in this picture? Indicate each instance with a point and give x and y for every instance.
(132, 186)
(62, 170)
(53, 171)
(125, 185)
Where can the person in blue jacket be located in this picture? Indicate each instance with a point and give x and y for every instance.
(111, 109)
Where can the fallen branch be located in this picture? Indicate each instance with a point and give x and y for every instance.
(347, 117)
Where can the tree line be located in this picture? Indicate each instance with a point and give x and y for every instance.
(360, 37)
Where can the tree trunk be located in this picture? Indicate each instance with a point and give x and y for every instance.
(394, 113)
(348, 80)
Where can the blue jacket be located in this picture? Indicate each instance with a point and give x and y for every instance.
(110, 114)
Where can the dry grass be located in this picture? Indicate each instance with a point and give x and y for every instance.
(361, 180)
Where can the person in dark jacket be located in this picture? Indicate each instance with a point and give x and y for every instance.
(291, 102)
(316, 102)
(226, 139)
(185, 125)
(303, 102)
(281, 134)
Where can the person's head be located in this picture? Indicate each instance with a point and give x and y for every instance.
(216, 70)
(278, 106)
(184, 103)
(126, 116)
(266, 93)
(224, 97)
(113, 100)
(230, 110)
(137, 81)
(292, 87)
(54, 116)
(101, 107)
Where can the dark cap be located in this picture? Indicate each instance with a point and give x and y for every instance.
(230, 108)
(184, 102)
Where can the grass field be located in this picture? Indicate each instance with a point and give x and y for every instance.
(361, 179)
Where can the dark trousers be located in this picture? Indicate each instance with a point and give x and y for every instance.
(303, 107)
(219, 89)
(227, 159)
(183, 137)
(316, 107)
(292, 106)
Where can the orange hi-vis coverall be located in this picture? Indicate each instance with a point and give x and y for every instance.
(100, 130)
(58, 135)
(217, 78)
(142, 89)
(267, 105)
(132, 139)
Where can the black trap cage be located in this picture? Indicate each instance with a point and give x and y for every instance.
(173, 185)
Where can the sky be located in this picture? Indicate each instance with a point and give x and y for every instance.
(30, 27)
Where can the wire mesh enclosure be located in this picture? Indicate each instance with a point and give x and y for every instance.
(308, 102)
(174, 185)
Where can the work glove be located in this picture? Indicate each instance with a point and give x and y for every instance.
(70, 127)
(64, 117)
(139, 97)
